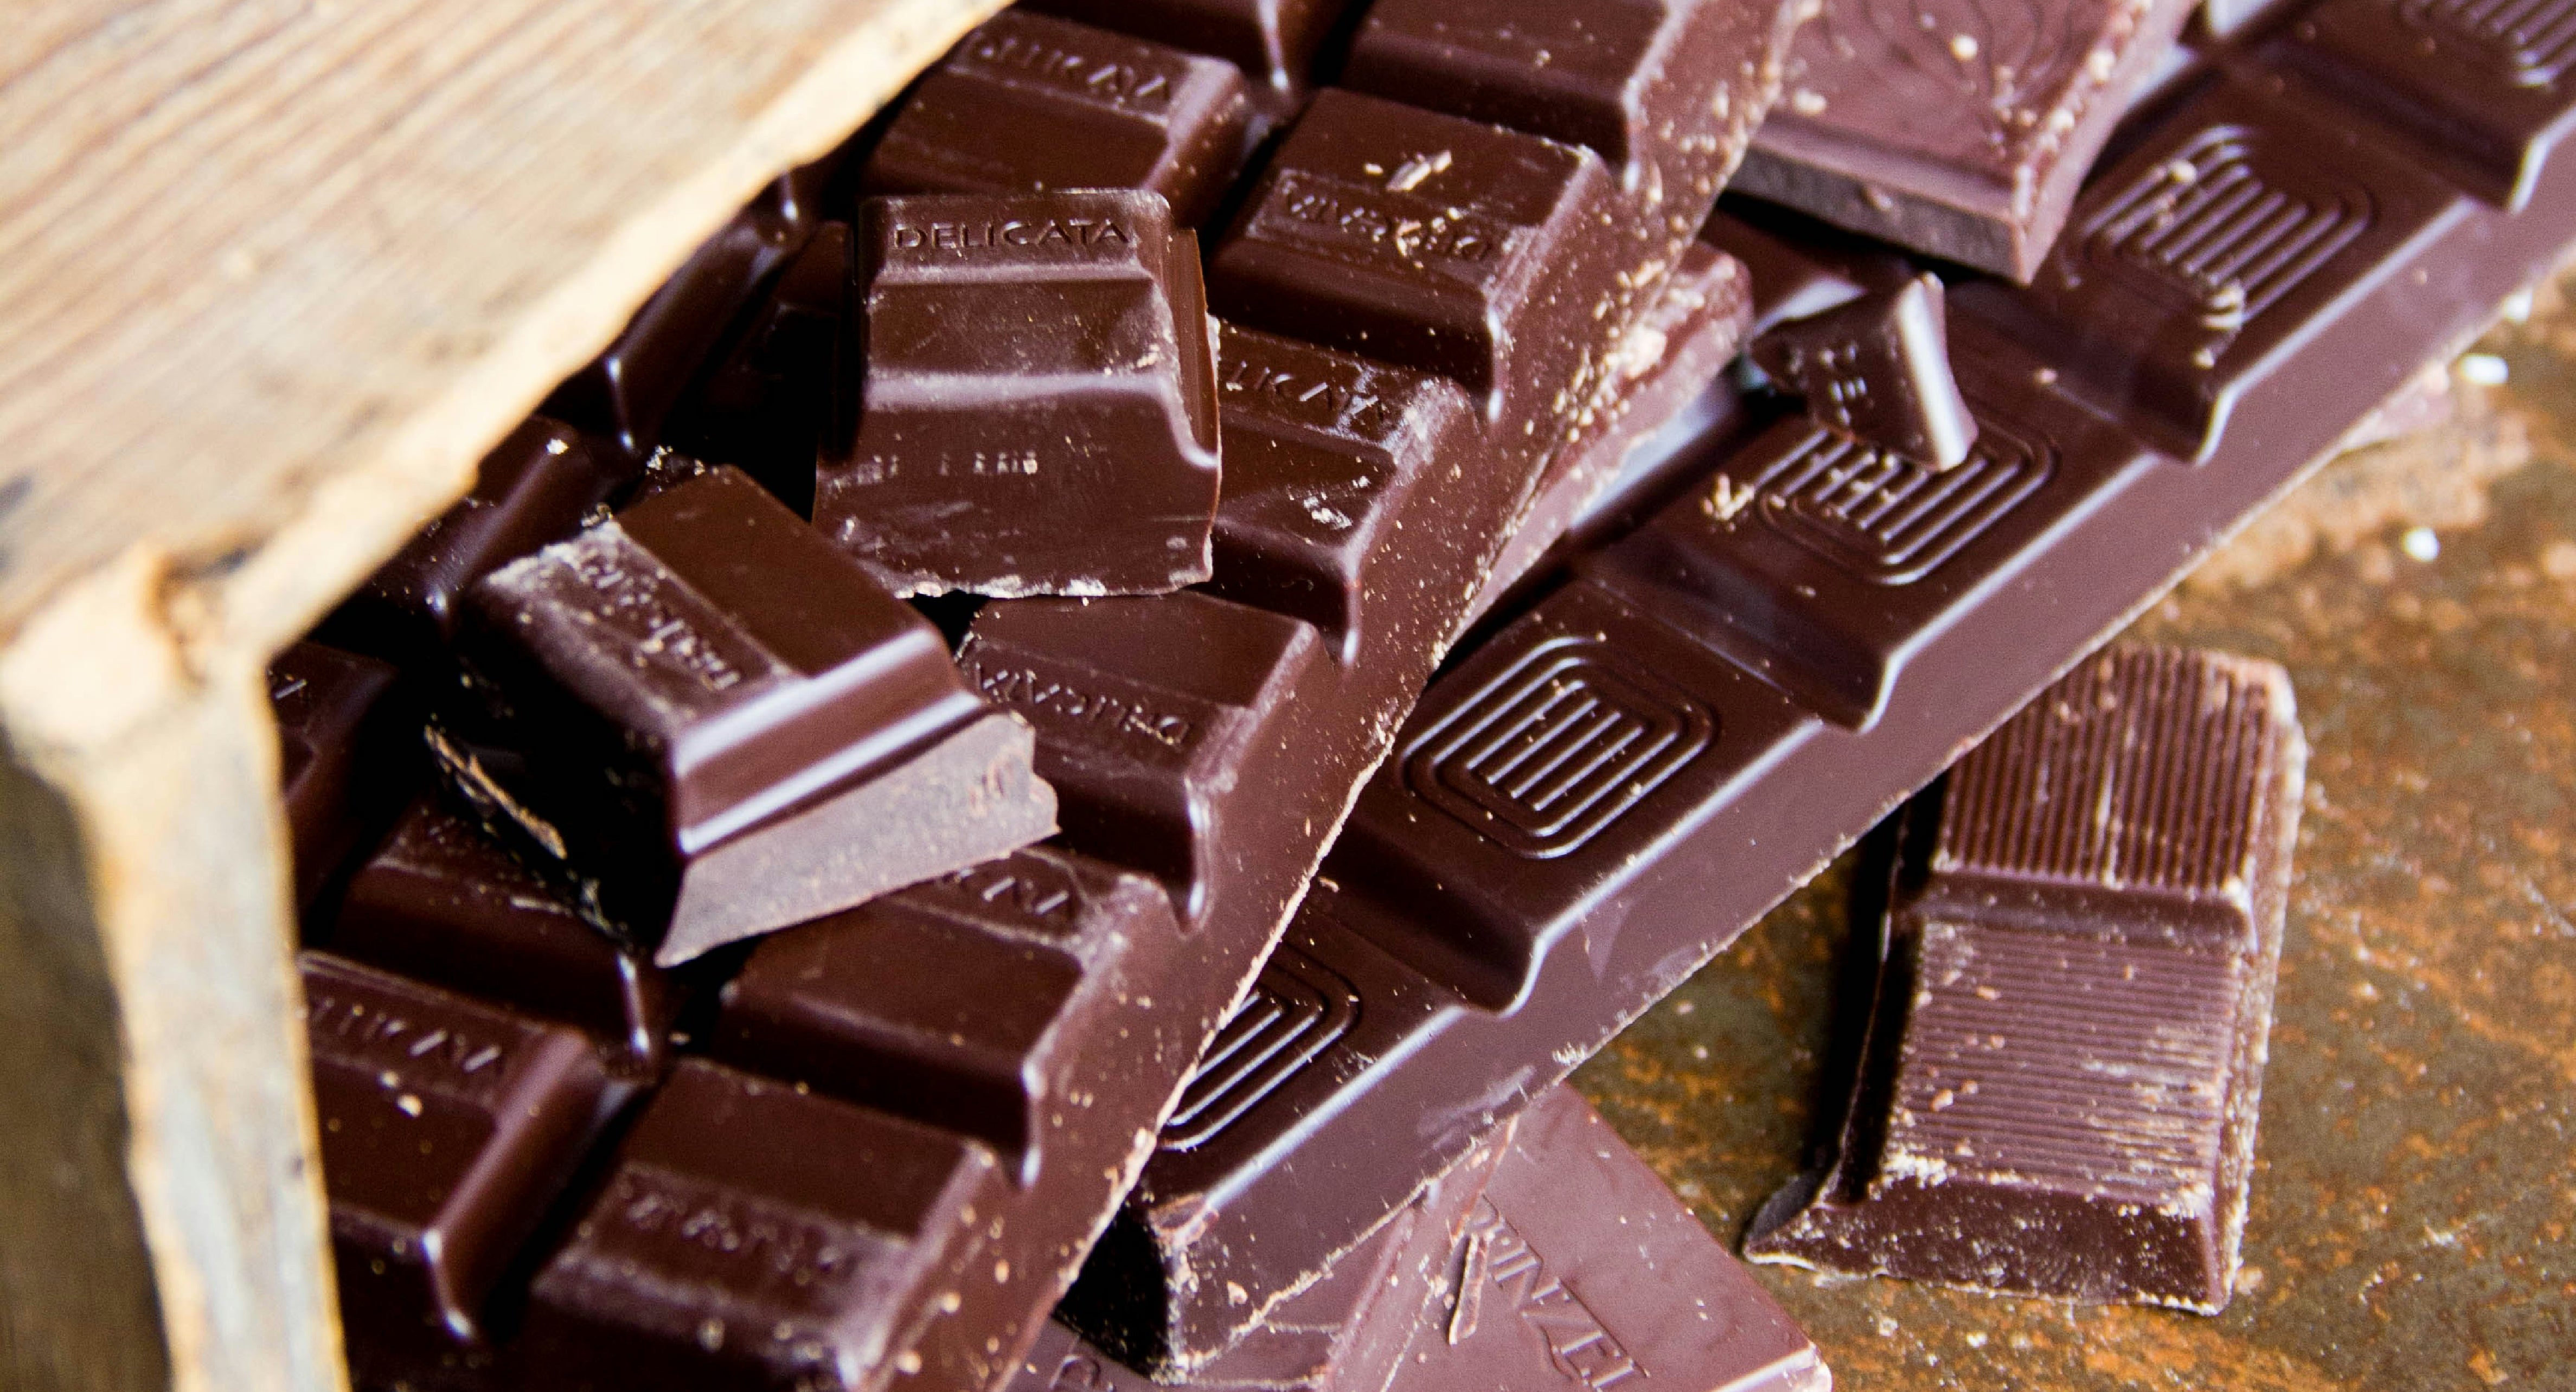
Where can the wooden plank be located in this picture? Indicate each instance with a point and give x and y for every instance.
(272, 274)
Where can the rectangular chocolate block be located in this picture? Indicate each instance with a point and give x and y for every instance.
(532, 488)
(1034, 388)
(341, 762)
(442, 902)
(447, 1126)
(1029, 102)
(1960, 131)
(745, 1235)
(2065, 1062)
(709, 724)
(2488, 85)
(1309, 1142)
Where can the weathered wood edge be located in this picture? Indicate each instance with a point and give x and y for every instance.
(138, 746)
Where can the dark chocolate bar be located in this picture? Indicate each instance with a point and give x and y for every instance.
(766, 408)
(1586, 809)
(1034, 394)
(1029, 102)
(448, 1125)
(339, 766)
(2065, 1062)
(1960, 130)
(1877, 372)
(708, 723)
(1274, 42)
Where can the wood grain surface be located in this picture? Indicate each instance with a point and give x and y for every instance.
(273, 273)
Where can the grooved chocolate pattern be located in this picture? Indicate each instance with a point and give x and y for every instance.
(1888, 518)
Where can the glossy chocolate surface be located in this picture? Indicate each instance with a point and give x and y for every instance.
(1029, 102)
(1961, 131)
(342, 763)
(1035, 398)
(1275, 42)
(2059, 1092)
(694, 703)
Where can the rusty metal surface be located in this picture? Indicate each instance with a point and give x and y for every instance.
(2414, 1212)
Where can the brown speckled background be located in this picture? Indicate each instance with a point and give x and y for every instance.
(2414, 1212)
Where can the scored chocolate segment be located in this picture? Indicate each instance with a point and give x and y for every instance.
(1957, 129)
(443, 903)
(1824, 564)
(1323, 454)
(1877, 371)
(2195, 266)
(338, 768)
(627, 393)
(447, 1127)
(1274, 42)
(1439, 244)
(2060, 1088)
(1028, 102)
(532, 488)
(1159, 722)
(2489, 85)
(1035, 398)
(711, 724)
(745, 1235)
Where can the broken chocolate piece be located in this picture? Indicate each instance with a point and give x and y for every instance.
(1028, 103)
(339, 768)
(1957, 129)
(765, 408)
(1877, 372)
(447, 1127)
(1274, 42)
(443, 903)
(2061, 1081)
(1035, 394)
(710, 724)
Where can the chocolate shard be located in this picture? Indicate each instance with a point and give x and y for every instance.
(1958, 130)
(532, 488)
(1667, 92)
(1579, 1267)
(1029, 102)
(1161, 724)
(1274, 42)
(709, 723)
(447, 1127)
(1439, 244)
(443, 903)
(2244, 227)
(1035, 398)
(1324, 454)
(628, 392)
(337, 758)
(1877, 372)
(745, 1236)
(2489, 88)
(2061, 1082)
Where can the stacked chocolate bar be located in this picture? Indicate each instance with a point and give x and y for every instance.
(937, 766)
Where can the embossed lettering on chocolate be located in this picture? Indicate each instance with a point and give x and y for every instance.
(2059, 1091)
(1027, 103)
(1033, 381)
(708, 723)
